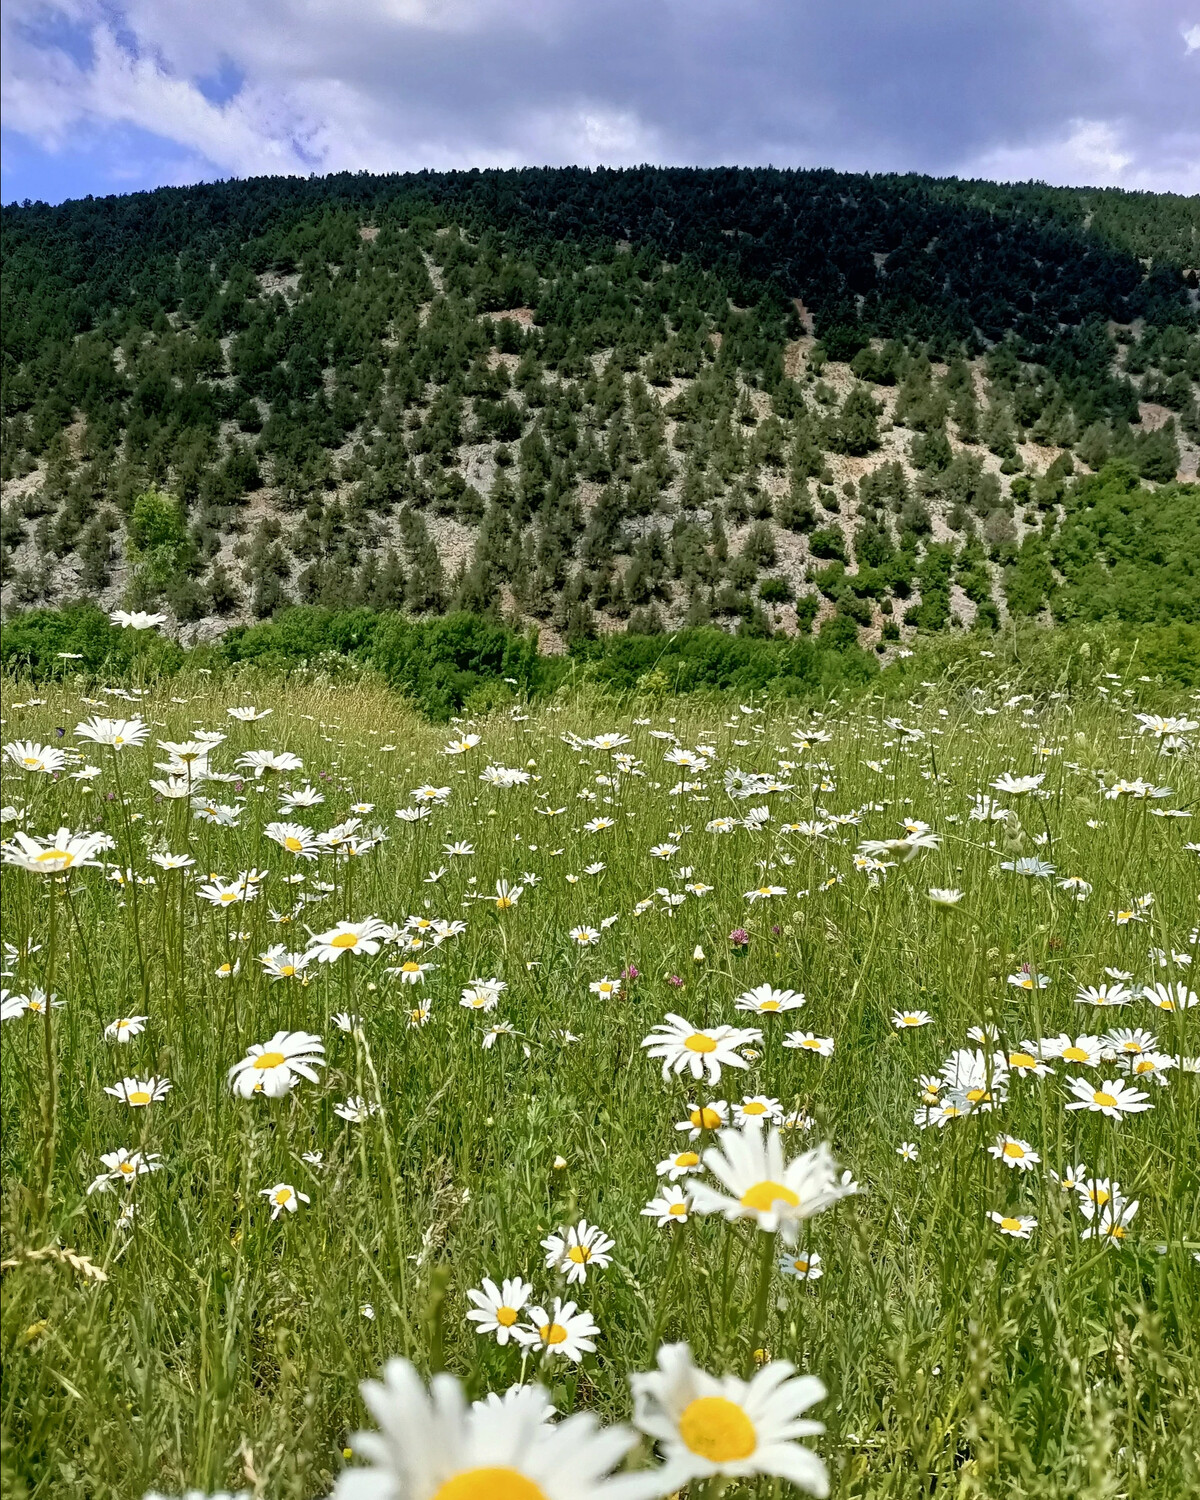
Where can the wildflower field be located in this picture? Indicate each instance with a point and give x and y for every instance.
(783, 1102)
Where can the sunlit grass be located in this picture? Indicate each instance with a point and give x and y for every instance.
(206, 1343)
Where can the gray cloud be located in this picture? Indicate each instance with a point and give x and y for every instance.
(1096, 91)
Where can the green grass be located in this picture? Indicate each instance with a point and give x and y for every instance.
(224, 1349)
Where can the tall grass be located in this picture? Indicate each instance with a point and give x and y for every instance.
(202, 1343)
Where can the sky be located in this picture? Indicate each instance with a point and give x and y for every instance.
(112, 96)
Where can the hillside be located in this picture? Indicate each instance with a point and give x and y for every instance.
(605, 400)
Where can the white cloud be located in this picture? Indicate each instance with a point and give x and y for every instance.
(396, 85)
(1093, 153)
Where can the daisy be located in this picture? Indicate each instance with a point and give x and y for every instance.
(1087, 1051)
(283, 1196)
(272, 1068)
(576, 1249)
(227, 892)
(907, 1151)
(278, 963)
(802, 1267)
(113, 732)
(765, 892)
(586, 937)
(356, 1109)
(940, 896)
(137, 619)
(1026, 1063)
(307, 796)
(139, 1092)
(497, 1308)
(1016, 1226)
(1103, 994)
(125, 1029)
(1017, 786)
(1014, 1153)
(712, 1116)
(1127, 1041)
(411, 972)
(1027, 980)
(709, 1426)
(1109, 1221)
(262, 762)
(348, 937)
(564, 1331)
(248, 715)
(672, 1206)
(64, 851)
(682, 1164)
(172, 861)
(765, 1000)
(761, 1186)
(757, 1109)
(461, 746)
(506, 895)
(1149, 1065)
(33, 757)
(599, 825)
(683, 1048)
(902, 1019)
(809, 1041)
(434, 1446)
(606, 988)
(294, 837)
(125, 1166)
(1171, 996)
(1112, 1099)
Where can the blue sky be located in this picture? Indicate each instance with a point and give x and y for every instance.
(109, 96)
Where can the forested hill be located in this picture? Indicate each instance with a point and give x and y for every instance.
(599, 399)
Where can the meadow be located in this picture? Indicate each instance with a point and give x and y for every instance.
(316, 1015)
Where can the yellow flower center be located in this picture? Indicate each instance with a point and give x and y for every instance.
(32, 761)
(687, 1159)
(54, 854)
(1010, 1224)
(717, 1429)
(1013, 1150)
(977, 1096)
(344, 940)
(580, 1254)
(410, 967)
(491, 1483)
(553, 1333)
(699, 1042)
(503, 901)
(812, 1044)
(1099, 1196)
(800, 1267)
(283, 1196)
(764, 1195)
(266, 1060)
(506, 1316)
(1022, 1060)
(287, 970)
(294, 844)
(769, 1005)
(139, 1096)
(754, 1108)
(1075, 1054)
(678, 1210)
(228, 896)
(1116, 1231)
(1144, 1065)
(125, 1166)
(1105, 1101)
(705, 1118)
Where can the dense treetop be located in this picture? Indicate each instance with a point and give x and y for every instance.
(593, 396)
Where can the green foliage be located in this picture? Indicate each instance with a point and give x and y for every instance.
(158, 543)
